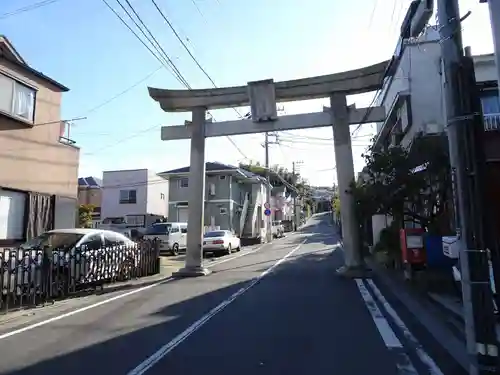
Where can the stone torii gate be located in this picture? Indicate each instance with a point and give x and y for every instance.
(262, 97)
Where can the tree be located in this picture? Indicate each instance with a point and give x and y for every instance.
(280, 176)
(395, 184)
(85, 215)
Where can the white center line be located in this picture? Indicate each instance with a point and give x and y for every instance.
(403, 363)
(171, 345)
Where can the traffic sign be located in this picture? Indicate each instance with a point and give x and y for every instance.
(267, 212)
(267, 205)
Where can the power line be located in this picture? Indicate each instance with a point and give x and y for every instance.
(156, 44)
(106, 102)
(27, 8)
(165, 18)
(188, 50)
(170, 68)
(170, 64)
(182, 42)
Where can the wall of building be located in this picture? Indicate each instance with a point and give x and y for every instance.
(113, 182)
(31, 157)
(89, 195)
(157, 194)
(65, 213)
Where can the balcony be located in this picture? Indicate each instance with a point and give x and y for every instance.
(492, 121)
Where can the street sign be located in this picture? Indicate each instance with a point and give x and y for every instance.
(267, 212)
(267, 205)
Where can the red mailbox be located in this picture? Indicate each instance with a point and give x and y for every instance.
(412, 246)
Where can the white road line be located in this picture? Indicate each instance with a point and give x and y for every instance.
(115, 298)
(171, 345)
(391, 341)
(432, 367)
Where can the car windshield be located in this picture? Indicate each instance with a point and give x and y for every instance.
(53, 240)
(158, 229)
(215, 234)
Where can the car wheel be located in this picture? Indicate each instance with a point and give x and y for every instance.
(229, 250)
(175, 249)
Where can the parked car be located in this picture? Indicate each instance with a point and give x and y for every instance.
(76, 255)
(277, 229)
(220, 241)
(172, 236)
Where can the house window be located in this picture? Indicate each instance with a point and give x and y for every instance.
(223, 177)
(490, 104)
(17, 99)
(128, 196)
(183, 183)
(223, 211)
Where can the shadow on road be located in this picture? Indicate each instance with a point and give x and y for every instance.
(137, 337)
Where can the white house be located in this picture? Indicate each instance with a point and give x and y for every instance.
(281, 204)
(412, 95)
(135, 197)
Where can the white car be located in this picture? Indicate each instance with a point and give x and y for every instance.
(90, 255)
(220, 241)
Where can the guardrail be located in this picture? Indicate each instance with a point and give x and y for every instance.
(491, 121)
(29, 278)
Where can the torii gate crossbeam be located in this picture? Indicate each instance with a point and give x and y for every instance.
(262, 96)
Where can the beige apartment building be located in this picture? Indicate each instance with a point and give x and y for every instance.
(38, 167)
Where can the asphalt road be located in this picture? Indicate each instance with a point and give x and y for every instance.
(278, 310)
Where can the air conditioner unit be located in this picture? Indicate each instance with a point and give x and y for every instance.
(396, 138)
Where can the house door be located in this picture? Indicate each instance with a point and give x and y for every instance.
(182, 214)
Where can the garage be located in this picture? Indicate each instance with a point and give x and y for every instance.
(12, 211)
(182, 214)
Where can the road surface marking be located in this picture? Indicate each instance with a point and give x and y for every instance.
(432, 367)
(391, 341)
(115, 298)
(171, 345)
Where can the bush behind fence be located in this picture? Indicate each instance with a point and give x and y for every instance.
(32, 277)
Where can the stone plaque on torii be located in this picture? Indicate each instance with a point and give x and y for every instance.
(262, 97)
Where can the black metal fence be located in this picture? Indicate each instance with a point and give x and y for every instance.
(33, 277)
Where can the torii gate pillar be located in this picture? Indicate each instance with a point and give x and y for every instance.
(196, 185)
(353, 260)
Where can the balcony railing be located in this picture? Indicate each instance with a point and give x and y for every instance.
(492, 121)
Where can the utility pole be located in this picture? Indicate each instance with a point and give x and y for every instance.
(295, 165)
(269, 235)
(463, 131)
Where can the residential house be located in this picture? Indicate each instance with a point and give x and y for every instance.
(234, 199)
(38, 167)
(281, 203)
(136, 197)
(412, 95)
(90, 193)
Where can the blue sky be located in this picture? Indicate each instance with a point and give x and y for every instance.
(83, 45)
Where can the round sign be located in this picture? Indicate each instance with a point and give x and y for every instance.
(267, 205)
(267, 212)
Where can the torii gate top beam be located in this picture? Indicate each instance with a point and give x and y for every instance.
(351, 82)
